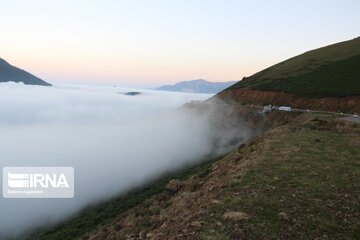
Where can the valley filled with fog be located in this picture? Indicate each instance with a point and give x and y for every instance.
(112, 140)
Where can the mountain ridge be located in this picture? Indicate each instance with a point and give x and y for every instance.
(196, 86)
(10, 73)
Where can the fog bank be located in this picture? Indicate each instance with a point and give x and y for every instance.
(113, 141)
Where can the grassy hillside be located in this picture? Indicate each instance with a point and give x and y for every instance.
(280, 186)
(329, 71)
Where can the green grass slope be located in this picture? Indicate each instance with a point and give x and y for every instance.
(331, 71)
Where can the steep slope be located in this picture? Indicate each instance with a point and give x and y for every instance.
(278, 186)
(274, 187)
(318, 79)
(10, 73)
(197, 86)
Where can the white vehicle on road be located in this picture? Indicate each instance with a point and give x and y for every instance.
(285, 108)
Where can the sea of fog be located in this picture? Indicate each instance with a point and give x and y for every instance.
(113, 141)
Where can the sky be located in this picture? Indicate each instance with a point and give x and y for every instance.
(142, 43)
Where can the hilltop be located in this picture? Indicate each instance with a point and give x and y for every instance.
(327, 78)
(9, 73)
(197, 86)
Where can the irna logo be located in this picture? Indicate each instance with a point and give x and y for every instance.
(34, 180)
(38, 182)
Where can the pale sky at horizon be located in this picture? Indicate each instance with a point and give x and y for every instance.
(152, 42)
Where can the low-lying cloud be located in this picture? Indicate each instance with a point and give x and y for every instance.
(113, 141)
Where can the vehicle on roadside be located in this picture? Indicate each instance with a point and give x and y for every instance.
(285, 108)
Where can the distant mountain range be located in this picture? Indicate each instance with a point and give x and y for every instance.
(9, 73)
(197, 86)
